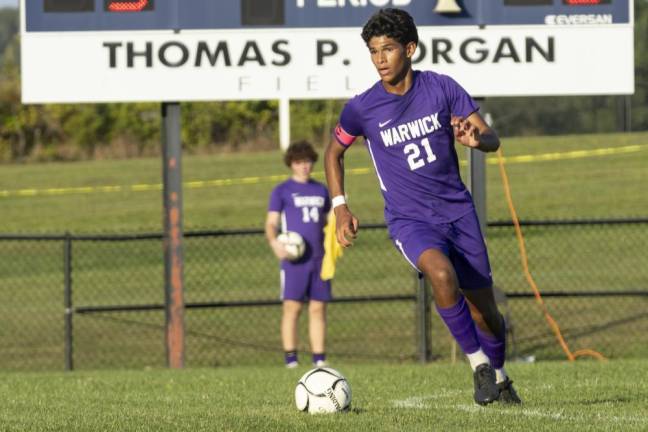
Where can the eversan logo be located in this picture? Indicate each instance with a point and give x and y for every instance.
(579, 19)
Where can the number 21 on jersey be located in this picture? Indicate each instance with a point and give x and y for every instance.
(414, 157)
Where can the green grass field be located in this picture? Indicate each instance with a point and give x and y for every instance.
(558, 396)
(554, 177)
(571, 186)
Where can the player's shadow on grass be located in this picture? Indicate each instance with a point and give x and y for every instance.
(585, 331)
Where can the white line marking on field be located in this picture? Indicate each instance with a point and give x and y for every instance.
(523, 411)
(419, 402)
(413, 402)
(431, 401)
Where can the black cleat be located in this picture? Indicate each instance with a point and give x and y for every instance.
(486, 391)
(507, 394)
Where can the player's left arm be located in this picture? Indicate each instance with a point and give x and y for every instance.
(474, 132)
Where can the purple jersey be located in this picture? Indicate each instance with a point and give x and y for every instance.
(304, 208)
(411, 143)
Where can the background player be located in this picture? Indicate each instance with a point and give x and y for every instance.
(301, 204)
(409, 120)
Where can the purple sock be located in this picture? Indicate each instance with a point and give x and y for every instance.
(290, 356)
(461, 325)
(319, 357)
(494, 347)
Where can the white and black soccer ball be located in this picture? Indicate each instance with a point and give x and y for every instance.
(323, 390)
(293, 243)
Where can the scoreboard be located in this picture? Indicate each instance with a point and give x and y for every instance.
(176, 50)
(97, 15)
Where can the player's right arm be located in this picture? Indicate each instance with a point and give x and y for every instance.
(346, 224)
(271, 229)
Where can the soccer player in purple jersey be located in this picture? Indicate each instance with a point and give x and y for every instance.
(301, 204)
(410, 120)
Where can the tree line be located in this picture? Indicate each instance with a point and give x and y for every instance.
(84, 131)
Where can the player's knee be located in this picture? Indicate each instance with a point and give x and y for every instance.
(292, 308)
(316, 307)
(441, 278)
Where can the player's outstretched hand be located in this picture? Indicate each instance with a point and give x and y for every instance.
(346, 226)
(465, 132)
(279, 249)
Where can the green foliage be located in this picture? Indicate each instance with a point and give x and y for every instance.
(137, 126)
(238, 124)
(314, 119)
(8, 28)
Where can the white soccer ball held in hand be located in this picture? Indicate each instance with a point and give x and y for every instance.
(293, 244)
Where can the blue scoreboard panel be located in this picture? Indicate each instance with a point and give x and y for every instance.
(97, 15)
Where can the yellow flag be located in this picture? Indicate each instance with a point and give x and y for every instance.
(332, 249)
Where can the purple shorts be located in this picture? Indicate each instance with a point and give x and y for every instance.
(461, 241)
(301, 281)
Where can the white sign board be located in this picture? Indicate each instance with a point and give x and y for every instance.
(568, 55)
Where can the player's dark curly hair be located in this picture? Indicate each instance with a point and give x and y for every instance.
(300, 150)
(394, 23)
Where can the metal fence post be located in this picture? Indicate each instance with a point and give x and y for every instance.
(477, 184)
(173, 254)
(67, 299)
(423, 319)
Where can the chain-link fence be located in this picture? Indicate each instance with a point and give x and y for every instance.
(88, 302)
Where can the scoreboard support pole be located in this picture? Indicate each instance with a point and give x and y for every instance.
(477, 174)
(284, 123)
(173, 256)
(627, 113)
(477, 184)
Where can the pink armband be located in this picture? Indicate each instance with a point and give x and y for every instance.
(343, 137)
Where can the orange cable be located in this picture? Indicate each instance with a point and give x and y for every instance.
(588, 352)
(525, 266)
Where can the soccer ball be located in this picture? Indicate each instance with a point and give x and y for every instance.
(293, 243)
(323, 390)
